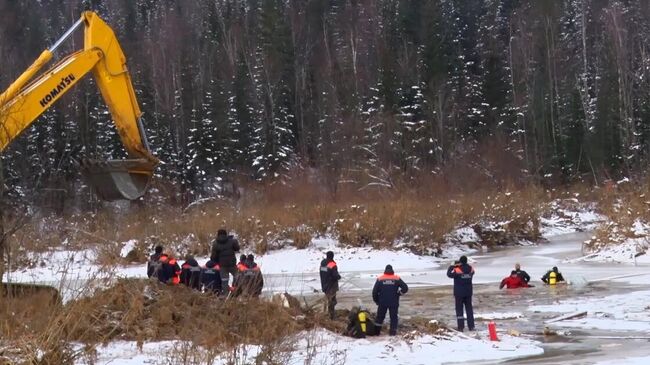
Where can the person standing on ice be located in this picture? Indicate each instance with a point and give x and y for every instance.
(462, 274)
(386, 292)
(224, 249)
(329, 281)
(522, 274)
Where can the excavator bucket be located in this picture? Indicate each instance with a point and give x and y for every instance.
(118, 179)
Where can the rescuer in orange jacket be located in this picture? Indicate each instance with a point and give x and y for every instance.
(241, 265)
(462, 273)
(386, 292)
(211, 277)
(169, 270)
(329, 280)
(191, 273)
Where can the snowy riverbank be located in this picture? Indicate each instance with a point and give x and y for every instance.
(324, 347)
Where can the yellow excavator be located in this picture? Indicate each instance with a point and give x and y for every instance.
(28, 97)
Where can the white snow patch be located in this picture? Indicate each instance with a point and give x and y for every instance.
(643, 360)
(127, 353)
(323, 347)
(578, 218)
(498, 315)
(127, 247)
(56, 264)
(292, 260)
(463, 235)
(632, 250)
(615, 312)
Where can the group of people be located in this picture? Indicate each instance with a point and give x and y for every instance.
(247, 280)
(462, 273)
(389, 287)
(386, 292)
(214, 276)
(520, 279)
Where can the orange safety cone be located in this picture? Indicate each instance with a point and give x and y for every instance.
(492, 329)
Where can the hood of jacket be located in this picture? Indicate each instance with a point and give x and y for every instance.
(222, 239)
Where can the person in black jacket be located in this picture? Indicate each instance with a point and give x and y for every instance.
(191, 273)
(521, 273)
(552, 276)
(224, 249)
(462, 274)
(329, 281)
(211, 278)
(386, 292)
(153, 265)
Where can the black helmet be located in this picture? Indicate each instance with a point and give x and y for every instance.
(330, 255)
(463, 259)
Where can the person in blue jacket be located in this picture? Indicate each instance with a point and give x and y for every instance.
(211, 277)
(386, 292)
(462, 274)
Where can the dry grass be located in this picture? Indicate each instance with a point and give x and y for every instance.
(204, 328)
(279, 217)
(623, 205)
(142, 311)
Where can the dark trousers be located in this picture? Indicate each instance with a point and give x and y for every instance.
(381, 314)
(467, 302)
(224, 271)
(330, 303)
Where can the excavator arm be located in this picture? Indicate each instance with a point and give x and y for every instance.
(24, 101)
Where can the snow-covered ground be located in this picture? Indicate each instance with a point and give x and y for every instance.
(323, 347)
(289, 269)
(629, 246)
(643, 360)
(563, 220)
(625, 312)
(498, 315)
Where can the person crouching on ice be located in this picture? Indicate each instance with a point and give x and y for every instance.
(388, 288)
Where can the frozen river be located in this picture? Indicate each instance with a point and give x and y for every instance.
(432, 298)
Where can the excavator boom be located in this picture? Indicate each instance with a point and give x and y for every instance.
(26, 99)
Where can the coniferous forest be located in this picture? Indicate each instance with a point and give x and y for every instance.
(553, 91)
